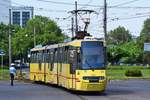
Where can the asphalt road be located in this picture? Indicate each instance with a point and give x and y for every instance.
(124, 90)
(116, 90)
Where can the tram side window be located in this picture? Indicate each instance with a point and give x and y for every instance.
(61, 58)
(58, 55)
(63, 55)
(66, 55)
(55, 61)
(48, 57)
(35, 57)
(32, 58)
(51, 57)
(39, 56)
(65, 58)
(52, 60)
(72, 60)
(45, 57)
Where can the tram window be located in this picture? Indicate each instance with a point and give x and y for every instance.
(51, 57)
(48, 57)
(63, 55)
(60, 55)
(55, 57)
(66, 56)
(31, 60)
(72, 60)
(45, 54)
(36, 57)
(39, 57)
(43, 57)
(78, 60)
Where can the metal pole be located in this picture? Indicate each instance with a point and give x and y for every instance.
(72, 29)
(76, 16)
(9, 37)
(2, 67)
(105, 20)
(34, 37)
(105, 29)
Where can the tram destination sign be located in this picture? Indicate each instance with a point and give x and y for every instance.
(146, 46)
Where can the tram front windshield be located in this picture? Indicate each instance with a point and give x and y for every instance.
(92, 55)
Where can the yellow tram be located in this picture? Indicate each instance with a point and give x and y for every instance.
(77, 65)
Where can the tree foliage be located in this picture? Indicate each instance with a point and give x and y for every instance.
(120, 45)
(126, 53)
(119, 35)
(146, 27)
(145, 38)
(46, 32)
(4, 34)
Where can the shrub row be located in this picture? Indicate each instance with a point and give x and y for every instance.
(133, 73)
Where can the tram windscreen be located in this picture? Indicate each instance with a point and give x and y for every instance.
(92, 55)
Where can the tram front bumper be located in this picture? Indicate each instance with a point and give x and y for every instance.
(86, 86)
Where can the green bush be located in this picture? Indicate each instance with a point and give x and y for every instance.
(133, 73)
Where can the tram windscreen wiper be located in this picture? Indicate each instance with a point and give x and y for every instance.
(88, 64)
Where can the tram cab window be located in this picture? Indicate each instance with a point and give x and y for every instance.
(92, 55)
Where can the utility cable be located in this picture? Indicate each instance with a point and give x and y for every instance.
(125, 3)
(128, 18)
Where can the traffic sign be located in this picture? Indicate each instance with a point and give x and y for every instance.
(146, 46)
(2, 52)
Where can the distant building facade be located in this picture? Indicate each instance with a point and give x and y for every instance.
(4, 11)
(20, 15)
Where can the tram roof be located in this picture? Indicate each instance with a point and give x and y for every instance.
(75, 43)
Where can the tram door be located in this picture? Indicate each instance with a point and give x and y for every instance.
(73, 66)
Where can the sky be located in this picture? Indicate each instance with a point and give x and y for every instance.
(128, 13)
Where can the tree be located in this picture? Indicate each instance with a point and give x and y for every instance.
(4, 33)
(146, 27)
(46, 32)
(119, 35)
(114, 54)
(132, 52)
(145, 37)
(126, 53)
(145, 34)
